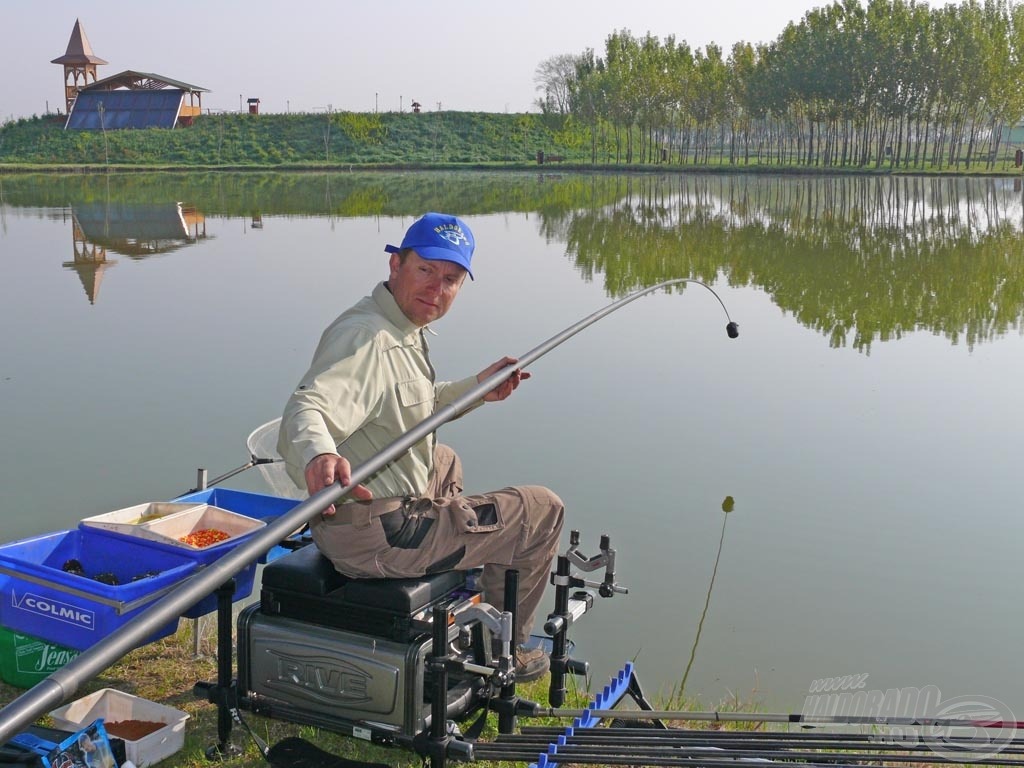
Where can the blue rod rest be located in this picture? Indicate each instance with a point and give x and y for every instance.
(609, 696)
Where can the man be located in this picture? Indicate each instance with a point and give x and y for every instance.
(370, 382)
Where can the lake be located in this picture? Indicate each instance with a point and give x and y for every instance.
(867, 422)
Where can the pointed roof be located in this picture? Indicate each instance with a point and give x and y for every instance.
(91, 275)
(79, 51)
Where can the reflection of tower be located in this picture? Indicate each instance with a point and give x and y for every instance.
(90, 261)
(79, 62)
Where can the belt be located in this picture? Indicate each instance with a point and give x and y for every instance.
(362, 513)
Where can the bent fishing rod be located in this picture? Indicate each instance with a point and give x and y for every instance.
(66, 681)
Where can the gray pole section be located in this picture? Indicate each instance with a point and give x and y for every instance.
(65, 682)
(770, 717)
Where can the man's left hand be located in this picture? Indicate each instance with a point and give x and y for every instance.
(508, 386)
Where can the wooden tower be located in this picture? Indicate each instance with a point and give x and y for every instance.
(79, 62)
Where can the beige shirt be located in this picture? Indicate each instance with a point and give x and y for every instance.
(369, 383)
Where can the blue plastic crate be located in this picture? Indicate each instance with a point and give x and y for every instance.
(257, 505)
(40, 598)
(244, 579)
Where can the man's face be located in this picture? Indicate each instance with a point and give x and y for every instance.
(424, 290)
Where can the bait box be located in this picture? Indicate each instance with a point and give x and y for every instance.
(167, 522)
(130, 518)
(260, 506)
(164, 532)
(41, 599)
(114, 706)
(26, 660)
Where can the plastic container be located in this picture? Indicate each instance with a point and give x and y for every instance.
(168, 522)
(161, 524)
(114, 707)
(259, 506)
(170, 530)
(126, 520)
(26, 660)
(43, 599)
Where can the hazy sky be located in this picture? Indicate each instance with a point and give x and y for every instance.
(358, 56)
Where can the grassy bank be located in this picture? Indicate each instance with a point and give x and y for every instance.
(382, 141)
(335, 140)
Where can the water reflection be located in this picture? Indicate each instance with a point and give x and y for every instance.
(728, 505)
(858, 259)
(136, 230)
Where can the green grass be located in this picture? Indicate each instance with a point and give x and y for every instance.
(385, 141)
(295, 141)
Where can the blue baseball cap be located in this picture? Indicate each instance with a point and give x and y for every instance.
(439, 237)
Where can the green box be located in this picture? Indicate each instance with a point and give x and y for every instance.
(26, 660)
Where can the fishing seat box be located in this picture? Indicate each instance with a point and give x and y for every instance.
(305, 586)
(343, 654)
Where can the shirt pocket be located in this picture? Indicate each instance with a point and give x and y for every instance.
(414, 392)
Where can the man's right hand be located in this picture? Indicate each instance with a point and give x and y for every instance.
(329, 468)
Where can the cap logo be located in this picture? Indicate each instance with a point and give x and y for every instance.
(452, 233)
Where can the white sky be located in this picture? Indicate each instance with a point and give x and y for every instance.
(303, 55)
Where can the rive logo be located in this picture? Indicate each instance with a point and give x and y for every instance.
(49, 608)
(320, 678)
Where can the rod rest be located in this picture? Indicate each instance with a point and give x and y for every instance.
(305, 586)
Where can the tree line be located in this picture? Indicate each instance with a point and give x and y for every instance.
(894, 83)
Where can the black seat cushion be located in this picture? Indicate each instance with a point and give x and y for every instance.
(307, 572)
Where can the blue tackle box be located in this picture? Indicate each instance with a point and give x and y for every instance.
(76, 587)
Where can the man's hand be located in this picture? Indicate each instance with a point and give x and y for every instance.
(329, 468)
(508, 386)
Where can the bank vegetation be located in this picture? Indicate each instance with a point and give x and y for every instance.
(893, 86)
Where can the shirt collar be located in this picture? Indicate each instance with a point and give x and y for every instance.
(390, 309)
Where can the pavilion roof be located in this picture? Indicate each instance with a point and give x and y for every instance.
(141, 81)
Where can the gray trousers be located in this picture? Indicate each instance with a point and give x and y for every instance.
(517, 527)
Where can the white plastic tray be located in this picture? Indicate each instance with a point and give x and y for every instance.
(113, 706)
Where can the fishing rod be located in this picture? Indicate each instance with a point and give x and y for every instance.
(626, 743)
(616, 745)
(66, 681)
(792, 718)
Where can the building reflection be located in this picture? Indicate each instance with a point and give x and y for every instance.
(127, 229)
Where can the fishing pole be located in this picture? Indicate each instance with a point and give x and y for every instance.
(65, 682)
(792, 718)
(629, 743)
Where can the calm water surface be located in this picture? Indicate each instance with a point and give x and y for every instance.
(868, 422)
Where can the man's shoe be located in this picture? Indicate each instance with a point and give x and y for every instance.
(531, 663)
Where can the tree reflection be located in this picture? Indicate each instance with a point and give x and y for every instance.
(858, 258)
